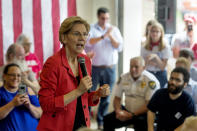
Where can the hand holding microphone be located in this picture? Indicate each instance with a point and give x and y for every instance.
(85, 84)
(86, 81)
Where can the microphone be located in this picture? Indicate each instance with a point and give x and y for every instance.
(81, 61)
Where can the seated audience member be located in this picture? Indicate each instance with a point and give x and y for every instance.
(16, 54)
(19, 109)
(183, 62)
(138, 86)
(171, 104)
(32, 60)
(188, 54)
(191, 87)
(156, 52)
(190, 124)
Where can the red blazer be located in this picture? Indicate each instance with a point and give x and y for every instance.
(56, 80)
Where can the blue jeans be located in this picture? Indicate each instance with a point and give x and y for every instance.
(161, 77)
(101, 76)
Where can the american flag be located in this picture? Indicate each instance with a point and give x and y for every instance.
(38, 19)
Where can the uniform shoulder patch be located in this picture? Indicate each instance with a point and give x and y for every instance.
(152, 84)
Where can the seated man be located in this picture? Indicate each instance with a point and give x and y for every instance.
(138, 86)
(19, 108)
(191, 87)
(189, 55)
(171, 104)
(16, 54)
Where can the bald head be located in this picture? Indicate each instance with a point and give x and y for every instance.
(15, 51)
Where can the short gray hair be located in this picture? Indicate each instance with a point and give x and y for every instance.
(140, 59)
(22, 39)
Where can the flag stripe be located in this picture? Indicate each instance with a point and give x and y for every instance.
(72, 11)
(39, 20)
(63, 10)
(27, 21)
(47, 31)
(56, 24)
(7, 22)
(37, 29)
(1, 37)
(17, 18)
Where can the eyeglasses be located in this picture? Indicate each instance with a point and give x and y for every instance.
(78, 34)
(155, 31)
(14, 75)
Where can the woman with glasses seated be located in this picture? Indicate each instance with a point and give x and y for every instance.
(64, 95)
(19, 106)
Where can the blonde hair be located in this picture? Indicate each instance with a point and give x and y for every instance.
(183, 61)
(149, 23)
(162, 43)
(68, 24)
(190, 123)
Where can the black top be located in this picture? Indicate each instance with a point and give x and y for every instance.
(171, 113)
(79, 116)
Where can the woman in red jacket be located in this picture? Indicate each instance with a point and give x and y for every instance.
(64, 95)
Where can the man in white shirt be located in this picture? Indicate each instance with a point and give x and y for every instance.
(105, 42)
(138, 86)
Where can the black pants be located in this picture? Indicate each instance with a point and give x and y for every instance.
(139, 122)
